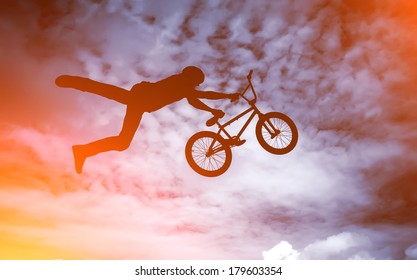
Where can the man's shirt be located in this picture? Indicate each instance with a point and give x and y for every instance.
(153, 96)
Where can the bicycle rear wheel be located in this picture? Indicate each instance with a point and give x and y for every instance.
(208, 154)
(276, 133)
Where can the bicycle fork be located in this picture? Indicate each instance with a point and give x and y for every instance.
(272, 130)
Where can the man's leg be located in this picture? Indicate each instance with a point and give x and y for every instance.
(119, 143)
(84, 84)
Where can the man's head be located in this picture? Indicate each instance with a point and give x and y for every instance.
(194, 74)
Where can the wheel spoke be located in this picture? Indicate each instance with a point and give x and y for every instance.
(200, 151)
(273, 125)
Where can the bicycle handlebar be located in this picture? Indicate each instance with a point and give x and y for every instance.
(249, 76)
(213, 120)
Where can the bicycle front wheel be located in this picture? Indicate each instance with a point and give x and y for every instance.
(276, 133)
(208, 154)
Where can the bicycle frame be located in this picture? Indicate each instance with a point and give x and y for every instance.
(222, 127)
(210, 153)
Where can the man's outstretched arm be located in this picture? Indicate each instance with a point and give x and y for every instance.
(85, 84)
(196, 103)
(213, 95)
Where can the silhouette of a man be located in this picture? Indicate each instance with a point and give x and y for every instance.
(142, 97)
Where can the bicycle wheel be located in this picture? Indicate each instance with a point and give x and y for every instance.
(208, 154)
(276, 133)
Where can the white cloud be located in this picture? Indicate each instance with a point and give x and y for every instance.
(345, 245)
(411, 252)
(282, 251)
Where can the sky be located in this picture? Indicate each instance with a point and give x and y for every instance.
(344, 71)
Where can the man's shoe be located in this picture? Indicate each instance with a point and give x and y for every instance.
(79, 159)
(65, 81)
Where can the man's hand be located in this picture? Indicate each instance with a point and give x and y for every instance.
(234, 97)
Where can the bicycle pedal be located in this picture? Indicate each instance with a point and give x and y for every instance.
(240, 142)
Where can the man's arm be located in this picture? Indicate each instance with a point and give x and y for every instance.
(196, 103)
(213, 95)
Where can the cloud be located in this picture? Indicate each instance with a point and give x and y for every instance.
(281, 251)
(342, 246)
(374, 242)
(345, 245)
(332, 67)
(411, 252)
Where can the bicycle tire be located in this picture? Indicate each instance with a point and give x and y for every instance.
(196, 151)
(282, 143)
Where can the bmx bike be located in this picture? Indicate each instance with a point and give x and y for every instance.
(209, 153)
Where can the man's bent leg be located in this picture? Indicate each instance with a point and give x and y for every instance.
(119, 143)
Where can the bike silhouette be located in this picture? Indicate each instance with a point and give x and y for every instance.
(209, 153)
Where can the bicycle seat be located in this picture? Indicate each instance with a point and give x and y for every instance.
(214, 119)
